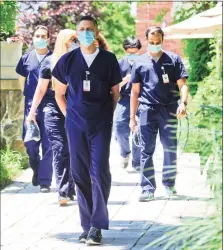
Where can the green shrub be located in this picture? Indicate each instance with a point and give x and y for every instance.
(12, 164)
(8, 10)
(205, 137)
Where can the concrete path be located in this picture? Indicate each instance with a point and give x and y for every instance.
(31, 220)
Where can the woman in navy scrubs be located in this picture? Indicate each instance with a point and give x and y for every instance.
(28, 68)
(93, 78)
(53, 118)
(158, 79)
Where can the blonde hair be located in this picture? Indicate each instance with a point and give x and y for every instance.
(60, 48)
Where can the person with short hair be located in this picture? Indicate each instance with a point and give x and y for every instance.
(54, 120)
(28, 68)
(158, 81)
(92, 77)
(131, 45)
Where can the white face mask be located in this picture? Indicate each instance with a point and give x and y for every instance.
(73, 46)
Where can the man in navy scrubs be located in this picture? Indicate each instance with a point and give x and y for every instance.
(131, 45)
(159, 77)
(28, 69)
(92, 77)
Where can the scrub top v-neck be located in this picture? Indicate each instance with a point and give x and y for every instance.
(95, 105)
(28, 67)
(149, 74)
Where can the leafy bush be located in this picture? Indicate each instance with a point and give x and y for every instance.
(8, 10)
(197, 51)
(205, 116)
(205, 137)
(114, 19)
(11, 165)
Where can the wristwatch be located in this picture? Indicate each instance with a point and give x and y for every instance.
(185, 103)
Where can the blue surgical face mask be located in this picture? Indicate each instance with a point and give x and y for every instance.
(40, 43)
(154, 48)
(132, 57)
(86, 37)
(73, 46)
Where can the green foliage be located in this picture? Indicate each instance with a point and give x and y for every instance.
(197, 51)
(159, 18)
(116, 24)
(11, 165)
(205, 115)
(56, 15)
(8, 10)
(114, 20)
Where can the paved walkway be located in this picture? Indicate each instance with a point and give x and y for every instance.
(31, 220)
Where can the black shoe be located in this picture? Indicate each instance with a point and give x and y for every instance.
(44, 189)
(71, 197)
(35, 180)
(83, 237)
(94, 236)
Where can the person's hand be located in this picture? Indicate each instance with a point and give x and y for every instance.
(132, 124)
(31, 117)
(181, 111)
(127, 78)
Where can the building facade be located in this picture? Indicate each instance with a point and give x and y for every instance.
(146, 16)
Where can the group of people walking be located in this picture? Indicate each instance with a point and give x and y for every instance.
(76, 92)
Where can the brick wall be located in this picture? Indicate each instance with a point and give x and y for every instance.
(146, 14)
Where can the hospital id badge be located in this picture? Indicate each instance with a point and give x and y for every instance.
(165, 78)
(86, 85)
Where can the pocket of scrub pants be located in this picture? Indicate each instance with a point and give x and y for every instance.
(149, 115)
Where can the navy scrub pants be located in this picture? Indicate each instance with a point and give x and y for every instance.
(54, 123)
(123, 132)
(158, 118)
(89, 154)
(41, 167)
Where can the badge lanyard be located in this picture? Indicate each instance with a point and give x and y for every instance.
(165, 76)
(86, 83)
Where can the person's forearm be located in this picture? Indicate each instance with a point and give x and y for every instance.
(38, 96)
(184, 93)
(61, 101)
(133, 105)
(121, 84)
(115, 98)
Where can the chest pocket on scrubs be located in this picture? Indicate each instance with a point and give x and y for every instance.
(99, 90)
(168, 68)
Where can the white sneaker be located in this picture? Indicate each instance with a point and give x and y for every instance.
(124, 161)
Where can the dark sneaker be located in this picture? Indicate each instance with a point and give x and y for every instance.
(71, 197)
(146, 196)
(63, 201)
(83, 237)
(94, 236)
(44, 189)
(35, 180)
(169, 191)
